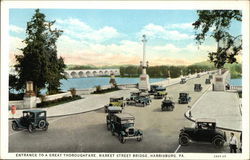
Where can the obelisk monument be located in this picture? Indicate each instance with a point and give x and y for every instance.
(144, 78)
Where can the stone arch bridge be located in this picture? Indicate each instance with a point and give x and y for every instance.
(91, 73)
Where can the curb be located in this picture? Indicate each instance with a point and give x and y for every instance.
(65, 115)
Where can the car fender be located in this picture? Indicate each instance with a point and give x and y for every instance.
(218, 136)
(123, 133)
(183, 134)
(17, 121)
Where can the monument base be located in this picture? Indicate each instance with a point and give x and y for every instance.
(29, 101)
(144, 84)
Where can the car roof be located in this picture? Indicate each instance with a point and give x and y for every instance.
(114, 108)
(34, 111)
(125, 116)
(206, 120)
(116, 97)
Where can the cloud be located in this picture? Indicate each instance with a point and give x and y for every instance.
(160, 32)
(16, 29)
(183, 26)
(14, 48)
(78, 29)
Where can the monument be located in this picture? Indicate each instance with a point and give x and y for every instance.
(30, 96)
(144, 84)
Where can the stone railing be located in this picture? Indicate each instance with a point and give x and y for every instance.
(238, 88)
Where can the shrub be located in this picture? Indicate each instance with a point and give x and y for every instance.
(73, 91)
(57, 101)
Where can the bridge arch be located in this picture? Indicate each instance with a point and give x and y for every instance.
(95, 73)
(74, 74)
(67, 75)
(81, 74)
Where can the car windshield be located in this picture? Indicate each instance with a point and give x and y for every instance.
(127, 125)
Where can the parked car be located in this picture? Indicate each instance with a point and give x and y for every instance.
(139, 99)
(153, 89)
(123, 126)
(183, 80)
(197, 87)
(110, 116)
(204, 131)
(210, 76)
(160, 92)
(184, 98)
(31, 120)
(115, 101)
(167, 104)
(207, 81)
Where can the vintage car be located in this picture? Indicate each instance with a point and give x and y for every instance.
(160, 92)
(152, 89)
(167, 104)
(204, 131)
(116, 102)
(210, 76)
(31, 120)
(197, 87)
(183, 80)
(184, 98)
(123, 126)
(207, 81)
(139, 99)
(110, 116)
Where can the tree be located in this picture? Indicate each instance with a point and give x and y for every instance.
(39, 62)
(228, 46)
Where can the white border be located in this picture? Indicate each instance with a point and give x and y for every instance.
(186, 5)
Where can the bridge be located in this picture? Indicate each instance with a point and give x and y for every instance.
(91, 73)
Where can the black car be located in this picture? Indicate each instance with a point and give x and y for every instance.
(210, 76)
(153, 89)
(160, 92)
(207, 81)
(204, 131)
(167, 105)
(183, 80)
(31, 120)
(184, 98)
(110, 116)
(123, 126)
(116, 102)
(197, 87)
(139, 99)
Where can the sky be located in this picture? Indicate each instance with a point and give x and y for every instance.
(113, 37)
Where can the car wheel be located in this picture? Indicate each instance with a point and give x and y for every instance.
(108, 127)
(31, 128)
(140, 139)
(112, 131)
(218, 142)
(41, 124)
(14, 126)
(45, 128)
(121, 138)
(184, 140)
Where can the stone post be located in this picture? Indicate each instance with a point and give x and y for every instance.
(29, 96)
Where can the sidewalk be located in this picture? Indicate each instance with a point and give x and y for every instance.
(222, 106)
(88, 103)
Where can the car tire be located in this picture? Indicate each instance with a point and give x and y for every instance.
(112, 131)
(218, 142)
(45, 128)
(140, 139)
(41, 123)
(121, 139)
(31, 128)
(183, 140)
(108, 127)
(14, 126)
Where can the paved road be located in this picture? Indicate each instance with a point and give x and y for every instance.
(87, 132)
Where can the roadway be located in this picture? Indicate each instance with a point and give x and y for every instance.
(87, 132)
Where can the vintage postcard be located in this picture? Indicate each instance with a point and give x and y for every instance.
(124, 80)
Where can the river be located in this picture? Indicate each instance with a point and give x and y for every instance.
(90, 82)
